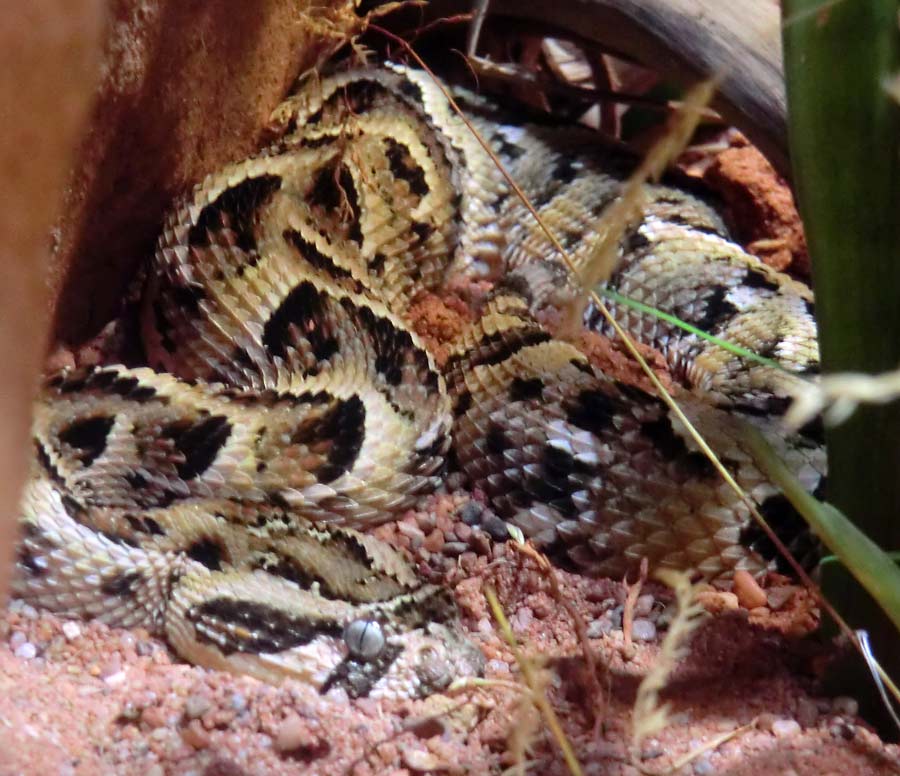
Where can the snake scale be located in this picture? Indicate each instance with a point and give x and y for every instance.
(216, 494)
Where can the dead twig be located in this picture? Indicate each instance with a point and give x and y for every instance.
(634, 592)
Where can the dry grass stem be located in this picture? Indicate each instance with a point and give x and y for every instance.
(649, 715)
(634, 591)
(536, 686)
(838, 396)
(707, 746)
(628, 208)
(578, 623)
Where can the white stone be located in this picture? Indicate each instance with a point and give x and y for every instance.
(785, 728)
(71, 630)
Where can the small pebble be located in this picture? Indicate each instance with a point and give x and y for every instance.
(17, 639)
(643, 630)
(26, 651)
(807, 713)
(845, 706)
(71, 630)
(29, 612)
(238, 702)
(294, 735)
(495, 527)
(543, 607)
(454, 549)
(195, 736)
(434, 542)
(427, 521)
(111, 667)
(471, 513)
(644, 605)
(153, 717)
(716, 602)
(840, 729)
(703, 766)
(599, 627)
(115, 680)
(521, 619)
(480, 542)
(747, 589)
(411, 530)
(462, 531)
(402, 542)
(765, 721)
(468, 561)
(421, 760)
(496, 666)
(196, 706)
(785, 728)
(130, 713)
(777, 597)
(485, 627)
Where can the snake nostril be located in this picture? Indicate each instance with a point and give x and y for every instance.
(434, 670)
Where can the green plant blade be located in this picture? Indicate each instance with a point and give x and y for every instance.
(646, 309)
(875, 569)
(845, 150)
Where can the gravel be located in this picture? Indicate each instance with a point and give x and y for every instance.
(785, 728)
(196, 706)
(495, 527)
(71, 630)
(26, 651)
(644, 605)
(643, 630)
(471, 513)
(845, 706)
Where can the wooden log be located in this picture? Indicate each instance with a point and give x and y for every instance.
(688, 39)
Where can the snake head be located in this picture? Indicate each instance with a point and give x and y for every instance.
(412, 663)
(413, 647)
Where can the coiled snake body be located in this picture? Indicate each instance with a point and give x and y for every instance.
(285, 387)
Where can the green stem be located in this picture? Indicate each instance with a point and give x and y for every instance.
(845, 149)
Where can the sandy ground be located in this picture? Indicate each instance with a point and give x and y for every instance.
(82, 698)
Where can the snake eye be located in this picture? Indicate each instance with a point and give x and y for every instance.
(364, 639)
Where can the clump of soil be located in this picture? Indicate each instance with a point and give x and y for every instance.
(764, 216)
